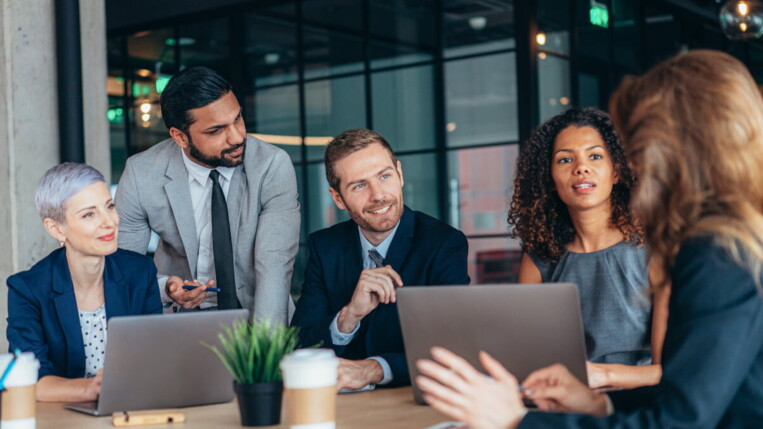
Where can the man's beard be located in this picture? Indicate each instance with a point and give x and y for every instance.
(217, 161)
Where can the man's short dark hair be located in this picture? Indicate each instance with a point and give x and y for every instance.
(347, 143)
(192, 88)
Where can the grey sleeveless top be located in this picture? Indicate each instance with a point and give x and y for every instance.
(613, 285)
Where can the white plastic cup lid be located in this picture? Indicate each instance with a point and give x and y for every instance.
(24, 371)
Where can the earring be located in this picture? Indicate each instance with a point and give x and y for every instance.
(62, 243)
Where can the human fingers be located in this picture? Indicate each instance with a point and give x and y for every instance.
(455, 363)
(495, 369)
(442, 374)
(443, 392)
(378, 285)
(544, 376)
(173, 284)
(449, 410)
(381, 275)
(396, 279)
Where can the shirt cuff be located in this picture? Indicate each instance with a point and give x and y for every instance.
(610, 405)
(340, 338)
(168, 305)
(385, 368)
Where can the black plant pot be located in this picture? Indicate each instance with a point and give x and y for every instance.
(259, 403)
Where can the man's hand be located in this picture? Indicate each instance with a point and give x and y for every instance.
(186, 298)
(554, 388)
(354, 374)
(375, 286)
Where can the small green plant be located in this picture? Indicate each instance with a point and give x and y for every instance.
(252, 351)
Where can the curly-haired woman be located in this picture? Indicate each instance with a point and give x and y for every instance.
(571, 211)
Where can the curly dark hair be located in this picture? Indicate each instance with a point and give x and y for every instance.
(538, 216)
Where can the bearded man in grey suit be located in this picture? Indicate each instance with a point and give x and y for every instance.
(223, 203)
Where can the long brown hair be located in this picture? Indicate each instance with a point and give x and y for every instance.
(693, 131)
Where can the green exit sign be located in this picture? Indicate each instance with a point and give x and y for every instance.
(598, 15)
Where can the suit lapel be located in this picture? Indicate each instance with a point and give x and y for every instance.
(234, 199)
(401, 242)
(68, 317)
(179, 196)
(353, 262)
(115, 290)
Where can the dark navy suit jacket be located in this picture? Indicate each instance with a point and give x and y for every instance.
(712, 358)
(424, 251)
(42, 308)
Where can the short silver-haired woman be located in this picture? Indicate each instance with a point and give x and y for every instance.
(58, 309)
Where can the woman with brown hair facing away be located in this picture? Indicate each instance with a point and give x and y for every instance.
(693, 132)
(571, 211)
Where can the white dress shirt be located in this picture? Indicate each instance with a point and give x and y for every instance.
(342, 339)
(200, 186)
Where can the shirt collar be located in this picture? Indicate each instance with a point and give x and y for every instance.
(382, 248)
(200, 173)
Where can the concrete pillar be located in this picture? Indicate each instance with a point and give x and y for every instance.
(94, 71)
(29, 123)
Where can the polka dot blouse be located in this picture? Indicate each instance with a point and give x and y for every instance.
(93, 324)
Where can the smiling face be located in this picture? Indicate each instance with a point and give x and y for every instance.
(217, 137)
(371, 190)
(582, 169)
(90, 224)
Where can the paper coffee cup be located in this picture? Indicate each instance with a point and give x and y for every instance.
(309, 380)
(19, 401)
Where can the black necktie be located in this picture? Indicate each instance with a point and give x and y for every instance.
(222, 248)
(376, 257)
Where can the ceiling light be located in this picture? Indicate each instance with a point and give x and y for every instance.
(477, 22)
(541, 38)
(742, 19)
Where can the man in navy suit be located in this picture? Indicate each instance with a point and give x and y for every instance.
(354, 268)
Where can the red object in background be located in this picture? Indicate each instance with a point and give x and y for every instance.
(498, 266)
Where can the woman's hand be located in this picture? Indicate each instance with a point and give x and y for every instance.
(52, 388)
(453, 387)
(598, 376)
(93, 386)
(554, 388)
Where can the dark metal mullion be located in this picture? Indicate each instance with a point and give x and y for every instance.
(399, 67)
(441, 158)
(526, 26)
(302, 114)
(176, 48)
(126, 102)
(573, 58)
(484, 236)
(237, 31)
(365, 19)
(555, 54)
(641, 20)
(611, 31)
(434, 150)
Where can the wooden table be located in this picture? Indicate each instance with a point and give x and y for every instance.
(379, 409)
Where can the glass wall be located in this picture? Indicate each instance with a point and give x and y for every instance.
(438, 78)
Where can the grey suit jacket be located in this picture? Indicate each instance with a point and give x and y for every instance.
(263, 211)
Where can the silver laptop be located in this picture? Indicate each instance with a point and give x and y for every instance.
(158, 361)
(525, 327)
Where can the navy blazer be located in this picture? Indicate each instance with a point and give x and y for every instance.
(424, 251)
(42, 309)
(713, 355)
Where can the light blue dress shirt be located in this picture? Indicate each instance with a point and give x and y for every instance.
(342, 339)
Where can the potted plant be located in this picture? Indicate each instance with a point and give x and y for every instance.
(252, 352)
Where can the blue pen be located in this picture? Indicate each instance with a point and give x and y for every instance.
(209, 289)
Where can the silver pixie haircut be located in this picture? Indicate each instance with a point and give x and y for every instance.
(59, 184)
